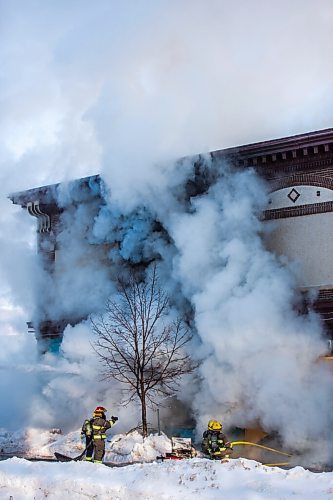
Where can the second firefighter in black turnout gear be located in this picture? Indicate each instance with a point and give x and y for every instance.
(94, 430)
(215, 443)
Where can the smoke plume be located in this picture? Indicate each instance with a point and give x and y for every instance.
(124, 91)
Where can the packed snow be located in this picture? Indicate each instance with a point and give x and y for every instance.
(119, 449)
(191, 478)
(146, 477)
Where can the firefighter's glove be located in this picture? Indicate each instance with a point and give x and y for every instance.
(114, 419)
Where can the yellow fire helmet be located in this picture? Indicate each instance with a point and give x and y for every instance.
(214, 425)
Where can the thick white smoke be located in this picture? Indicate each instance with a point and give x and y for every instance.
(70, 386)
(260, 357)
(114, 89)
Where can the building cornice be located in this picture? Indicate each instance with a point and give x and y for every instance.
(299, 141)
(298, 151)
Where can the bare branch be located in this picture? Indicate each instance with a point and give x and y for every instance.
(136, 348)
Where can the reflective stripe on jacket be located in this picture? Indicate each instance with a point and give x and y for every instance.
(99, 427)
(215, 441)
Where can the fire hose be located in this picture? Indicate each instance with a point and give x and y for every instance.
(248, 443)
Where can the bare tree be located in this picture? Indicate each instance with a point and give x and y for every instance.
(137, 347)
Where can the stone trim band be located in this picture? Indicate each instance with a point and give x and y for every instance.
(310, 209)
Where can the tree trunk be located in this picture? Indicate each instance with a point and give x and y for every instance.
(144, 412)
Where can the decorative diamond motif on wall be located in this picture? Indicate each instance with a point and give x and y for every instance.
(293, 195)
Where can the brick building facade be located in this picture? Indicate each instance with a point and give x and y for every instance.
(299, 170)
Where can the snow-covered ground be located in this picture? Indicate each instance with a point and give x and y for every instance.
(121, 448)
(195, 478)
(185, 479)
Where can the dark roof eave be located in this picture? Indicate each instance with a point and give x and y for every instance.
(48, 194)
(276, 145)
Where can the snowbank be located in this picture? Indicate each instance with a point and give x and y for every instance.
(133, 448)
(121, 448)
(186, 479)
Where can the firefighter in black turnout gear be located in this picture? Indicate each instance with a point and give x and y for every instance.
(94, 430)
(215, 443)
